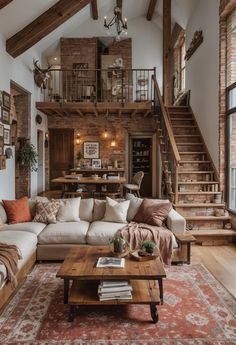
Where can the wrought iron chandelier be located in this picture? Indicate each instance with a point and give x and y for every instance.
(116, 26)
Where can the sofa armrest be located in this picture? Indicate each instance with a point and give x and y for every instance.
(175, 222)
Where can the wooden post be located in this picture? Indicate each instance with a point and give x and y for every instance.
(166, 51)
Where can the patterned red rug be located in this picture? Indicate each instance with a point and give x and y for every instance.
(197, 310)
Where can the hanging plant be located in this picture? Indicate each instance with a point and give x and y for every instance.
(28, 156)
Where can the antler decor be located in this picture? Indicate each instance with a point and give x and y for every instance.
(195, 43)
(41, 75)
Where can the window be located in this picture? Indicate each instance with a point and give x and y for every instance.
(231, 110)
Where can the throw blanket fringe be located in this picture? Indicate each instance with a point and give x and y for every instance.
(136, 233)
(9, 256)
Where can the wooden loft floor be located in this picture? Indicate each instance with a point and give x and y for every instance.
(87, 108)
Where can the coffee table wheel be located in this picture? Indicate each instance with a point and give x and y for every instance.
(154, 313)
(72, 313)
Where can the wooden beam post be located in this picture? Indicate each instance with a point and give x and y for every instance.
(94, 9)
(151, 8)
(43, 25)
(166, 52)
(4, 3)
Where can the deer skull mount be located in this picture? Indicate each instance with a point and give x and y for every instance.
(41, 75)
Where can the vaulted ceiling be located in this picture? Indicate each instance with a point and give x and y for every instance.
(17, 14)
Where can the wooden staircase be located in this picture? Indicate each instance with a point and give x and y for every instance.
(190, 178)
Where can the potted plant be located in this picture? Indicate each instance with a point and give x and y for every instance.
(119, 243)
(148, 246)
(28, 156)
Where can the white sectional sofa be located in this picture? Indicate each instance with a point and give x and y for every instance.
(38, 241)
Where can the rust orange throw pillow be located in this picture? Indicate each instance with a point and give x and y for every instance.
(152, 213)
(17, 211)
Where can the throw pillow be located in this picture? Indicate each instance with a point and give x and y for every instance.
(17, 211)
(45, 212)
(152, 212)
(99, 209)
(135, 203)
(69, 210)
(3, 214)
(116, 212)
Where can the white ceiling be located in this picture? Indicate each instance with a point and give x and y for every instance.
(19, 13)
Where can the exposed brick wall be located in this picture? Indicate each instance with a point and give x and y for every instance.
(123, 48)
(92, 128)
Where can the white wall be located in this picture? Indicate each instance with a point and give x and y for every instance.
(19, 70)
(202, 72)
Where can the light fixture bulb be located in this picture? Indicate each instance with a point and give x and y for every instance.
(113, 143)
(105, 134)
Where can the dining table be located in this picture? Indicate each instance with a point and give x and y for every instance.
(67, 182)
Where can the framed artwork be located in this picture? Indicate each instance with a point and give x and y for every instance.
(6, 136)
(2, 162)
(1, 131)
(5, 116)
(6, 100)
(91, 149)
(80, 65)
(96, 163)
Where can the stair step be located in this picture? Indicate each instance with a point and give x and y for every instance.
(194, 172)
(199, 205)
(184, 126)
(197, 193)
(194, 162)
(192, 153)
(189, 144)
(218, 232)
(199, 182)
(207, 218)
(181, 119)
(187, 135)
(173, 113)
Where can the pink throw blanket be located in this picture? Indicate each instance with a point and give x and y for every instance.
(137, 233)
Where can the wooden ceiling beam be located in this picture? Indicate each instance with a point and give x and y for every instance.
(4, 3)
(119, 4)
(94, 9)
(43, 25)
(151, 8)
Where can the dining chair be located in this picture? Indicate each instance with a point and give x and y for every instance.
(134, 186)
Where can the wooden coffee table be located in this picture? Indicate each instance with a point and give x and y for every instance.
(79, 267)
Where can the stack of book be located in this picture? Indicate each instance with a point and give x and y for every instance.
(111, 289)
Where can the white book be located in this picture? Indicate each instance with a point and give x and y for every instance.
(111, 283)
(112, 298)
(116, 294)
(111, 262)
(115, 289)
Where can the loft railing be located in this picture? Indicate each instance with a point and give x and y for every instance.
(169, 151)
(99, 85)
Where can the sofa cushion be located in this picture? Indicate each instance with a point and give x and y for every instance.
(116, 212)
(25, 241)
(32, 227)
(69, 210)
(32, 203)
(101, 233)
(134, 205)
(3, 214)
(46, 212)
(18, 211)
(86, 209)
(69, 232)
(152, 213)
(99, 209)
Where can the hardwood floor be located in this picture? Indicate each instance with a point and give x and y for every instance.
(220, 261)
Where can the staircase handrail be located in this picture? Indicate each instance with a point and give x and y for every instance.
(166, 122)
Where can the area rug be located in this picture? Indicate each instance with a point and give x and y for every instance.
(197, 310)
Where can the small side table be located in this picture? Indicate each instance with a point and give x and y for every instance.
(184, 241)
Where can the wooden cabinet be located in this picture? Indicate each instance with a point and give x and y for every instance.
(141, 160)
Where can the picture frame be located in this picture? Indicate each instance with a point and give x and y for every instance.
(2, 162)
(1, 131)
(91, 149)
(6, 100)
(6, 136)
(5, 114)
(96, 163)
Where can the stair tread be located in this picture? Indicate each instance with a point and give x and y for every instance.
(199, 205)
(187, 135)
(197, 193)
(207, 218)
(192, 152)
(217, 232)
(189, 144)
(196, 162)
(198, 182)
(184, 126)
(181, 119)
(196, 172)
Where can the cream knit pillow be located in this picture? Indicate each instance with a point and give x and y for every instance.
(116, 212)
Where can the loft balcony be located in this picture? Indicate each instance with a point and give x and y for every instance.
(98, 91)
